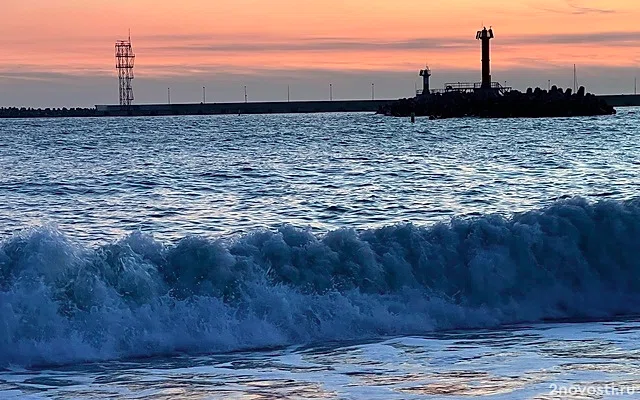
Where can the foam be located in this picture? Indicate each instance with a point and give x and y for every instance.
(63, 302)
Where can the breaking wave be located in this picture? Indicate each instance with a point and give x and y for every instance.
(64, 302)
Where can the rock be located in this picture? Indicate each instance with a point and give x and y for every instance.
(493, 104)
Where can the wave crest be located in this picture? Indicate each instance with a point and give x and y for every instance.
(64, 302)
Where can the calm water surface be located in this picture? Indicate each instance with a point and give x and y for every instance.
(98, 179)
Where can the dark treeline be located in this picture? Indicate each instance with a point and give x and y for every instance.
(490, 104)
(24, 112)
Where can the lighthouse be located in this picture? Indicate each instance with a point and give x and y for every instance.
(485, 36)
(426, 75)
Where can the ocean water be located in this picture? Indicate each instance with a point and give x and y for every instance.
(346, 256)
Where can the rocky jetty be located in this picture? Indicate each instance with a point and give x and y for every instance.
(494, 104)
(24, 112)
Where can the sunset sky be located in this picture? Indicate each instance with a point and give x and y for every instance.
(61, 52)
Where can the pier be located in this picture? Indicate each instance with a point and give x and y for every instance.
(283, 107)
(293, 107)
(488, 99)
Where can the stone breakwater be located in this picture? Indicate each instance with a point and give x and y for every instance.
(538, 103)
(492, 104)
(28, 112)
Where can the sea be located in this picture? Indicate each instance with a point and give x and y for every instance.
(320, 256)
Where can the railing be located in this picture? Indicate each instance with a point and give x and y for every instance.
(460, 86)
(432, 91)
(502, 89)
(472, 87)
(465, 87)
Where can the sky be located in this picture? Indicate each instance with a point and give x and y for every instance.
(58, 53)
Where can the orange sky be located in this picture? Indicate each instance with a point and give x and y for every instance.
(190, 37)
(76, 35)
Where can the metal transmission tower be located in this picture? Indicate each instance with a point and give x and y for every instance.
(124, 64)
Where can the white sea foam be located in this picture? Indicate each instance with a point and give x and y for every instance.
(63, 302)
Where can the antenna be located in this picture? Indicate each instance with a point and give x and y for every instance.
(575, 79)
(125, 59)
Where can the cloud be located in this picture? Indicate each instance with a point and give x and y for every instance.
(631, 38)
(174, 56)
(181, 45)
(25, 74)
(578, 7)
(317, 45)
(575, 7)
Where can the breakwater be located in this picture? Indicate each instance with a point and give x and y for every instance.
(236, 108)
(621, 100)
(28, 112)
(146, 110)
(495, 103)
(285, 107)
